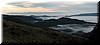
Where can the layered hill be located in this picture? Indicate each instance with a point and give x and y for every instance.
(30, 20)
(16, 33)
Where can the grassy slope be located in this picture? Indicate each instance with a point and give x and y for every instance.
(18, 33)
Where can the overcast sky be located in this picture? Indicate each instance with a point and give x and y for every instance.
(66, 7)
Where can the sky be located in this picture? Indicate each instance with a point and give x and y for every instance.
(59, 7)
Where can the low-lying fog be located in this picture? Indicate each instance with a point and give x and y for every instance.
(73, 28)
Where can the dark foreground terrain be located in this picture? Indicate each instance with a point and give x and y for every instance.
(23, 33)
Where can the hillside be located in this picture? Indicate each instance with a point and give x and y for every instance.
(94, 35)
(29, 20)
(16, 33)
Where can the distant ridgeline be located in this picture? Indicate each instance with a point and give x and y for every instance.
(87, 14)
(30, 20)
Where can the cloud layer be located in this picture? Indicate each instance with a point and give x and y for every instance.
(67, 7)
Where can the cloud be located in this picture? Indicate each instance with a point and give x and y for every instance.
(18, 9)
(24, 7)
(46, 4)
(87, 7)
(22, 4)
(67, 7)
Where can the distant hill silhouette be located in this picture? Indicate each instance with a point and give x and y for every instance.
(85, 14)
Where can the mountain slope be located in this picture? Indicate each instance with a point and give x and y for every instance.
(43, 23)
(15, 33)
